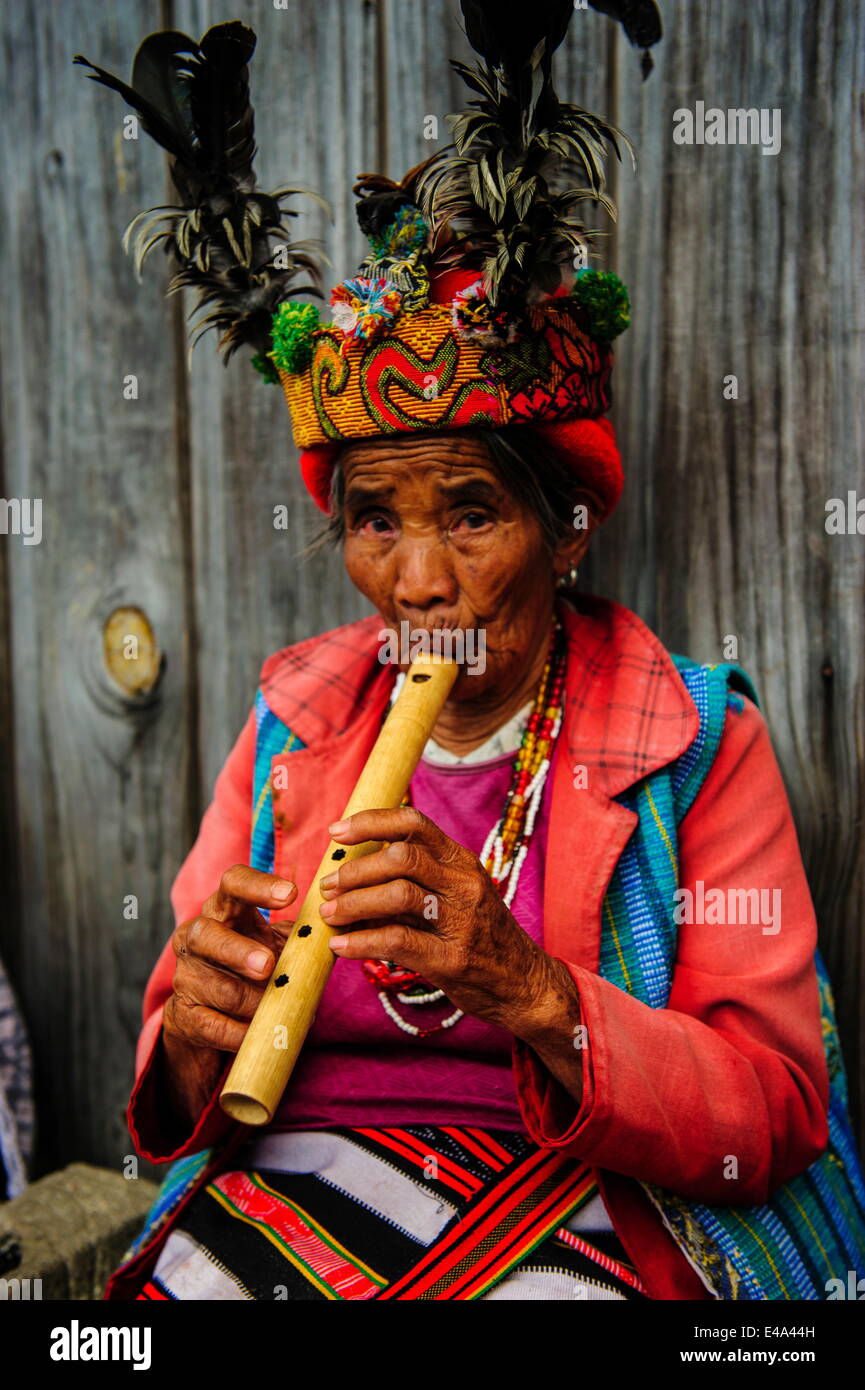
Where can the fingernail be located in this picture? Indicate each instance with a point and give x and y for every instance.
(337, 942)
(329, 880)
(258, 961)
(339, 827)
(283, 891)
(328, 909)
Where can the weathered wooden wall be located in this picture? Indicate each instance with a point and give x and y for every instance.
(738, 263)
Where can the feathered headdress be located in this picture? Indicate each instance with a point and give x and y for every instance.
(476, 304)
(230, 241)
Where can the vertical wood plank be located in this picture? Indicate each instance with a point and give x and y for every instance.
(750, 264)
(419, 82)
(10, 944)
(99, 805)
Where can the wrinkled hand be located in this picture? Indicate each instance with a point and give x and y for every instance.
(429, 905)
(225, 956)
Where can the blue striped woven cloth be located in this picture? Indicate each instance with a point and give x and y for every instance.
(813, 1230)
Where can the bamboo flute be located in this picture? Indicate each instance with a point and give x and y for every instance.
(266, 1057)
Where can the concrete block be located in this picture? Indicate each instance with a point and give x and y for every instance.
(72, 1228)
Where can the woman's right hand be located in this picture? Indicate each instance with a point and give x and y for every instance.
(225, 956)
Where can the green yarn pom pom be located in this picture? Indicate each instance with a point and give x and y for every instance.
(265, 366)
(291, 332)
(604, 299)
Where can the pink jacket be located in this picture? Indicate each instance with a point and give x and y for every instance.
(734, 1065)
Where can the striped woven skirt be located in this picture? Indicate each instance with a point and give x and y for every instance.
(419, 1212)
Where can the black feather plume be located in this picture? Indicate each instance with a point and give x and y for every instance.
(502, 197)
(230, 242)
(506, 33)
(641, 21)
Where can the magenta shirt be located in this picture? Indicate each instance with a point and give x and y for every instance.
(357, 1067)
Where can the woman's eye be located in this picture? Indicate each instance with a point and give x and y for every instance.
(473, 520)
(373, 523)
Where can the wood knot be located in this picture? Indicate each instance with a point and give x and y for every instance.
(131, 653)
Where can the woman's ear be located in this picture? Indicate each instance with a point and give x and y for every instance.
(570, 550)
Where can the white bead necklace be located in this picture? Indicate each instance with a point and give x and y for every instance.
(493, 846)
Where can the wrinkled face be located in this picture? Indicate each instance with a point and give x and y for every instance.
(433, 537)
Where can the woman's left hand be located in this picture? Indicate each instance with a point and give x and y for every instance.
(427, 904)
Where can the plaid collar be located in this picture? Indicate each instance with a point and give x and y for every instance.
(627, 709)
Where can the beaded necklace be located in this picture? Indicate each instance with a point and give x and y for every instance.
(507, 844)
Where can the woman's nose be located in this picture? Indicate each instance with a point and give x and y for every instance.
(424, 577)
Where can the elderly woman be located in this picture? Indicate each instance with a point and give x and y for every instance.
(410, 1099)
(574, 1043)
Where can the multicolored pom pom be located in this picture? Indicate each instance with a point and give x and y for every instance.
(604, 299)
(364, 308)
(292, 329)
(473, 318)
(403, 237)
